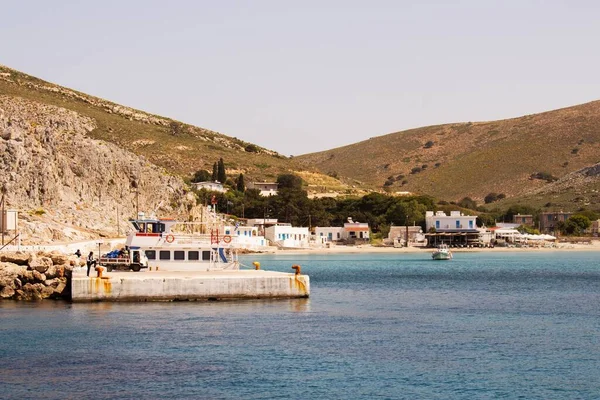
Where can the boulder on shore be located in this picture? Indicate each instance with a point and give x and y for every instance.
(25, 276)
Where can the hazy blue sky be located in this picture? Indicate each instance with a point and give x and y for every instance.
(305, 76)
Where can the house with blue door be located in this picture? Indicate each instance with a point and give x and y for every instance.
(455, 229)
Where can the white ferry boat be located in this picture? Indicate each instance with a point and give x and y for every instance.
(167, 250)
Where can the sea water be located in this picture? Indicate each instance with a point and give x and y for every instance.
(396, 326)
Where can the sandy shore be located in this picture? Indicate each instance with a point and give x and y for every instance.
(593, 246)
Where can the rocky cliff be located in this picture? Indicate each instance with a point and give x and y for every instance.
(68, 186)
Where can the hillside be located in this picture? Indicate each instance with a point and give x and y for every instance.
(180, 148)
(452, 161)
(69, 186)
(78, 166)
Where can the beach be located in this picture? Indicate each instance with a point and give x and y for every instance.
(593, 245)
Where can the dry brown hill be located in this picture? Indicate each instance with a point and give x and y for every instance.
(180, 148)
(473, 159)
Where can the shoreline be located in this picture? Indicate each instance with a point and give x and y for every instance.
(366, 249)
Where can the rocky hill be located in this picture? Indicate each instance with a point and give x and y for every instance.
(515, 157)
(70, 186)
(180, 148)
(78, 166)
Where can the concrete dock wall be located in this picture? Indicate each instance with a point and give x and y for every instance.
(166, 286)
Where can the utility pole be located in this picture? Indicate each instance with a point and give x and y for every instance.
(406, 224)
(3, 214)
(136, 189)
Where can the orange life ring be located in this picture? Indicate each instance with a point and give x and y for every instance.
(227, 239)
(170, 238)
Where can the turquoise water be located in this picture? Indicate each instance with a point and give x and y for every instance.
(482, 326)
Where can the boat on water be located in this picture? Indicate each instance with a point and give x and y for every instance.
(442, 252)
(169, 250)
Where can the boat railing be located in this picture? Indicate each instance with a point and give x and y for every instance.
(175, 239)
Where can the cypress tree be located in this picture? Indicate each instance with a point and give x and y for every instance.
(221, 176)
(241, 186)
(215, 175)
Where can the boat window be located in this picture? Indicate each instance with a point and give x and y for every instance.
(206, 255)
(160, 227)
(193, 255)
(142, 227)
(164, 254)
(151, 254)
(179, 255)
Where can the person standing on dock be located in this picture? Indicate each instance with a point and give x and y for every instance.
(90, 262)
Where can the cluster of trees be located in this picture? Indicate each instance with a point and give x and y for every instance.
(380, 211)
(220, 175)
(292, 205)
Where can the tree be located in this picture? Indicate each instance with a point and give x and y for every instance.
(577, 223)
(490, 198)
(215, 173)
(241, 186)
(467, 202)
(221, 175)
(201, 175)
(592, 215)
(289, 181)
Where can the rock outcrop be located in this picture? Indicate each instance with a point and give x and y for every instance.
(44, 276)
(70, 187)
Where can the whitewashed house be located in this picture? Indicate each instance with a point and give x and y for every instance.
(356, 231)
(287, 236)
(329, 233)
(265, 188)
(351, 232)
(455, 229)
(246, 237)
(261, 223)
(456, 221)
(210, 185)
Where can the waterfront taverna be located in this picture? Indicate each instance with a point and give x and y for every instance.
(455, 229)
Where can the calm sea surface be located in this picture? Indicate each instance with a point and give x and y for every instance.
(482, 326)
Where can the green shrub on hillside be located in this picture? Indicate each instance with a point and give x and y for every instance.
(544, 176)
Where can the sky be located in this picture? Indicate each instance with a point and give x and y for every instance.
(305, 76)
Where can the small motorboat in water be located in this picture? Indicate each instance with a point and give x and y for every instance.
(442, 253)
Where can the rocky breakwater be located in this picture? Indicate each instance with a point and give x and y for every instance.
(35, 276)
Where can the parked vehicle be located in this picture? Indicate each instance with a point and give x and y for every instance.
(131, 259)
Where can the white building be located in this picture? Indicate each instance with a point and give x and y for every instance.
(265, 188)
(455, 229)
(261, 223)
(350, 232)
(209, 185)
(455, 222)
(288, 236)
(247, 237)
(356, 231)
(329, 233)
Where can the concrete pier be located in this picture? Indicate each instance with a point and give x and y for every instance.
(176, 285)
